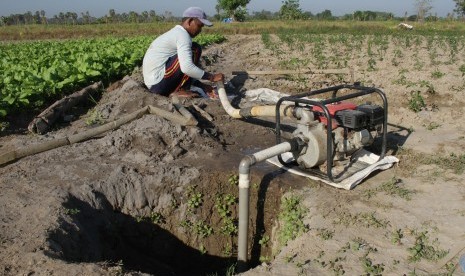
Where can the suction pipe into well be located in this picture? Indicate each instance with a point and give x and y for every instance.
(244, 185)
(249, 160)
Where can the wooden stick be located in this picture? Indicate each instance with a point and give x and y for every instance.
(290, 72)
(349, 71)
(203, 112)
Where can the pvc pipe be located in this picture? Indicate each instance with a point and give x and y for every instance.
(255, 111)
(244, 185)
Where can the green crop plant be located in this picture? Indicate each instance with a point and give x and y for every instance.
(416, 102)
(202, 249)
(291, 218)
(227, 250)
(34, 73)
(398, 55)
(195, 198)
(371, 220)
(266, 40)
(432, 125)
(72, 211)
(157, 218)
(202, 229)
(264, 240)
(94, 117)
(229, 227)
(370, 268)
(396, 237)
(422, 249)
(436, 74)
(371, 64)
(429, 87)
(233, 179)
(264, 259)
(223, 204)
(187, 224)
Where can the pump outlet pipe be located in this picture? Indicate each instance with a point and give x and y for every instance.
(244, 185)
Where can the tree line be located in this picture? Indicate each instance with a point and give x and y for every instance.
(235, 9)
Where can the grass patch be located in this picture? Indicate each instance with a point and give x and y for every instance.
(453, 162)
(361, 219)
(410, 160)
(291, 219)
(392, 187)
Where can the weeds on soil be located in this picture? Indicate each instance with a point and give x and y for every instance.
(392, 187)
(423, 250)
(291, 218)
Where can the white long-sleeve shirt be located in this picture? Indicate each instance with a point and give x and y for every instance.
(175, 41)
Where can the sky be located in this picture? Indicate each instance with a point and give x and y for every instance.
(99, 8)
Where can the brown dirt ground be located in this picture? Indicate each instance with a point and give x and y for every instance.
(86, 209)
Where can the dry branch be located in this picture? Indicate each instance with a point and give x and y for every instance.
(42, 123)
(48, 145)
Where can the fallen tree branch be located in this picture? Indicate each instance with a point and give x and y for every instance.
(44, 121)
(48, 145)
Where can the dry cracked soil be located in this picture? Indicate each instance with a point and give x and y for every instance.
(156, 198)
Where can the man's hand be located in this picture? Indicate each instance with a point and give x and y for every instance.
(210, 91)
(217, 77)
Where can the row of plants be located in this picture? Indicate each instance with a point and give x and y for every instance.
(337, 50)
(33, 73)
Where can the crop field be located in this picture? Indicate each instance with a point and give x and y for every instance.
(157, 197)
(36, 72)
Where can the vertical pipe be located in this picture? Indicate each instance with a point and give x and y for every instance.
(244, 184)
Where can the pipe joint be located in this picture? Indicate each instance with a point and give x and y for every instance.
(246, 163)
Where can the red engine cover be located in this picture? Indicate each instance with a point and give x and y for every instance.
(333, 108)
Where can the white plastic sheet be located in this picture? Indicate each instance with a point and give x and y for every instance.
(363, 156)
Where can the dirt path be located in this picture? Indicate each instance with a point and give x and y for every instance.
(147, 197)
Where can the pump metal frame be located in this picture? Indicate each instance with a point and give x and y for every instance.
(356, 90)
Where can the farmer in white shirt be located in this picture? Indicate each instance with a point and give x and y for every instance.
(171, 62)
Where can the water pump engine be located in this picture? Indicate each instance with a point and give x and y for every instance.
(329, 131)
(353, 127)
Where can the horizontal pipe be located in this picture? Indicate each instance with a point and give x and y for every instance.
(256, 111)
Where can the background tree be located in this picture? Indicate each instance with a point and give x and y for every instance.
(325, 15)
(112, 15)
(422, 7)
(43, 19)
(460, 7)
(290, 10)
(233, 8)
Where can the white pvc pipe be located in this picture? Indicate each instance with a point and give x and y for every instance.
(256, 111)
(233, 112)
(244, 184)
